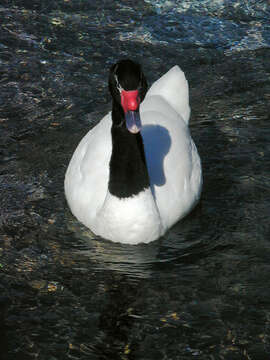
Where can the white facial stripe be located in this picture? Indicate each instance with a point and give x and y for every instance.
(119, 87)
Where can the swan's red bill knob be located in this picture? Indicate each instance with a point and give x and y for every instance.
(130, 100)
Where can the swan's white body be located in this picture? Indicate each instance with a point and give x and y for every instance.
(173, 164)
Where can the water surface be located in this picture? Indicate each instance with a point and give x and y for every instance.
(202, 291)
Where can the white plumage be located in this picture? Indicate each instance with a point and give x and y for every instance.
(173, 165)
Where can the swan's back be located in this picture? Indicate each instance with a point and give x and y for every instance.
(173, 87)
(172, 159)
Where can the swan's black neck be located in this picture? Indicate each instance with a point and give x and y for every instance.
(128, 170)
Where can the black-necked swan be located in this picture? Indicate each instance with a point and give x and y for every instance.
(137, 172)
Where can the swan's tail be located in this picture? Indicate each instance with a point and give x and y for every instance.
(173, 87)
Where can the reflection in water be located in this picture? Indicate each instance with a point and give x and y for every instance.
(105, 255)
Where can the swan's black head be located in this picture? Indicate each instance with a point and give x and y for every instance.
(128, 88)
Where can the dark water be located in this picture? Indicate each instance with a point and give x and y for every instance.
(202, 291)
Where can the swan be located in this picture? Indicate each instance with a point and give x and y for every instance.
(137, 172)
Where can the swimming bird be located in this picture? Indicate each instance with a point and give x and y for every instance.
(137, 172)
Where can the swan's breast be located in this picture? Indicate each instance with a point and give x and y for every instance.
(129, 220)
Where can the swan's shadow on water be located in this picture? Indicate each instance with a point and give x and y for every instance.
(157, 144)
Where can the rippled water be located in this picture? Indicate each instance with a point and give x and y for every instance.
(202, 291)
(230, 25)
